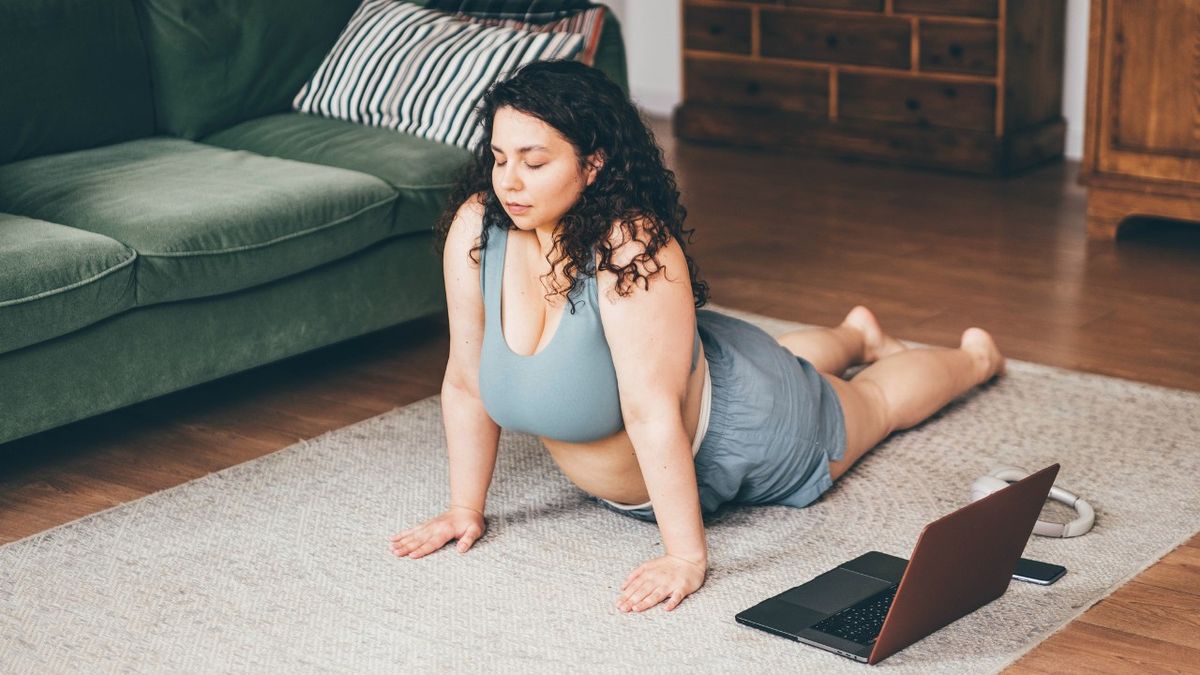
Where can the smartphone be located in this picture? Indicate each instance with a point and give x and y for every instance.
(1037, 572)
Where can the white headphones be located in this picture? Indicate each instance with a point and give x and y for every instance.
(1000, 477)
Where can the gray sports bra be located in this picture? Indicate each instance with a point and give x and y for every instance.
(567, 391)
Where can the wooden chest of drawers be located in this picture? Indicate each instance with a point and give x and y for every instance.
(1141, 153)
(971, 85)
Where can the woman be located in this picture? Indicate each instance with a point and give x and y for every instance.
(579, 324)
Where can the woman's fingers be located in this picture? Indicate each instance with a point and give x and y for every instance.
(422, 529)
(413, 538)
(638, 589)
(626, 598)
(631, 578)
(415, 546)
(432, 544)
(419, 550)
(403, 546)
(649, 598)
(466, 541)
(408, 532)
(639, 593)
(673, 601)
(423, 549)
(659, 581)
(411, 544)
(652, 598)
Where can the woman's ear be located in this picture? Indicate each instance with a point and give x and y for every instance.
(595, 162)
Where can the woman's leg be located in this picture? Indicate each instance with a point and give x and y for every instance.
(903, 389)
(859, 339)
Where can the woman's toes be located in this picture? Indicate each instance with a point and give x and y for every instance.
(980, 343)
(876, 343)
(861, 318)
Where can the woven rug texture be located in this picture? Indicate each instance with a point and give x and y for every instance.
(282, 563)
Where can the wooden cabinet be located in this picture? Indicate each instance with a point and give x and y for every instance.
(1142, 143)
(972, 85)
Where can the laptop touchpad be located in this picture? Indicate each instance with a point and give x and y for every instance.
(834, 590)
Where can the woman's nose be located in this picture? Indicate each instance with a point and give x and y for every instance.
(508, 178)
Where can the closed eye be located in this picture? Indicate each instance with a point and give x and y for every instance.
(532, 166)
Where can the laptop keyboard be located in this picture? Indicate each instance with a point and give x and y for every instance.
(862, 622)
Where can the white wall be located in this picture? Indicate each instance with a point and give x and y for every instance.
(652, 47)
(651, 29)
(1075, 75)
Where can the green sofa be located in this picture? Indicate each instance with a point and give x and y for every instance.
(165, 219)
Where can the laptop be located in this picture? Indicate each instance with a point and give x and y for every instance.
(875, 605)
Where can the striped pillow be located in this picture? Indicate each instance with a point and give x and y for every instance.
(528, 11)
(587, 23)
(421, 71)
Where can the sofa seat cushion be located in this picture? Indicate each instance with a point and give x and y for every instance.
(422, 171)
(203, 220)
(56, 279)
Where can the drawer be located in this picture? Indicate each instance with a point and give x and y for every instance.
(958, 47)
(757, 85)
(859, 5)
(717, 29)
(866, 40)
(908, 100)
(984, 9)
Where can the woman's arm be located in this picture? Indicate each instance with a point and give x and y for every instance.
(650, 334)
(472, 436)
(471, 442)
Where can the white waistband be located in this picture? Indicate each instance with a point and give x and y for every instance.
(701, 430)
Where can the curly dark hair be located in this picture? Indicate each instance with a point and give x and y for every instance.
(593, 113)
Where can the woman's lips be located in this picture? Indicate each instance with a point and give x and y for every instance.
(515, 209)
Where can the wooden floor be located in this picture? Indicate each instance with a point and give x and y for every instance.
(793, 237)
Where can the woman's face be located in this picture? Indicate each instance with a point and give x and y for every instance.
(536, 174)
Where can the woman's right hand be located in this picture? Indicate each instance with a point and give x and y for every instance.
(458, 522)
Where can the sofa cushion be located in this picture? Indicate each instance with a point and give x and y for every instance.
(420, 170)
(215, 63)
(610, 53)
(73, 75)
(541, 11)
(55, 279)
(203, 220)
(587, 22)
(420, 71)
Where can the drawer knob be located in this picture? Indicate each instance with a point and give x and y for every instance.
(715, 29)
(956, 51)
(912, 104)
(831, 41)
(753, 88)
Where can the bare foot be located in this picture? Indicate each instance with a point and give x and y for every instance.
(979, 342)
(876, 343)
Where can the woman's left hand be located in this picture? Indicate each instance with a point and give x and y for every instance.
(667, 577)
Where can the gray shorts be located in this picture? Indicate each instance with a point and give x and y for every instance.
(773, 427)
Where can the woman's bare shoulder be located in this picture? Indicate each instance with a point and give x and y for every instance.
(471, 210)
(467, 225)
(630, 242)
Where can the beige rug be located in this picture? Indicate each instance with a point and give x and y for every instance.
(282, 563)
